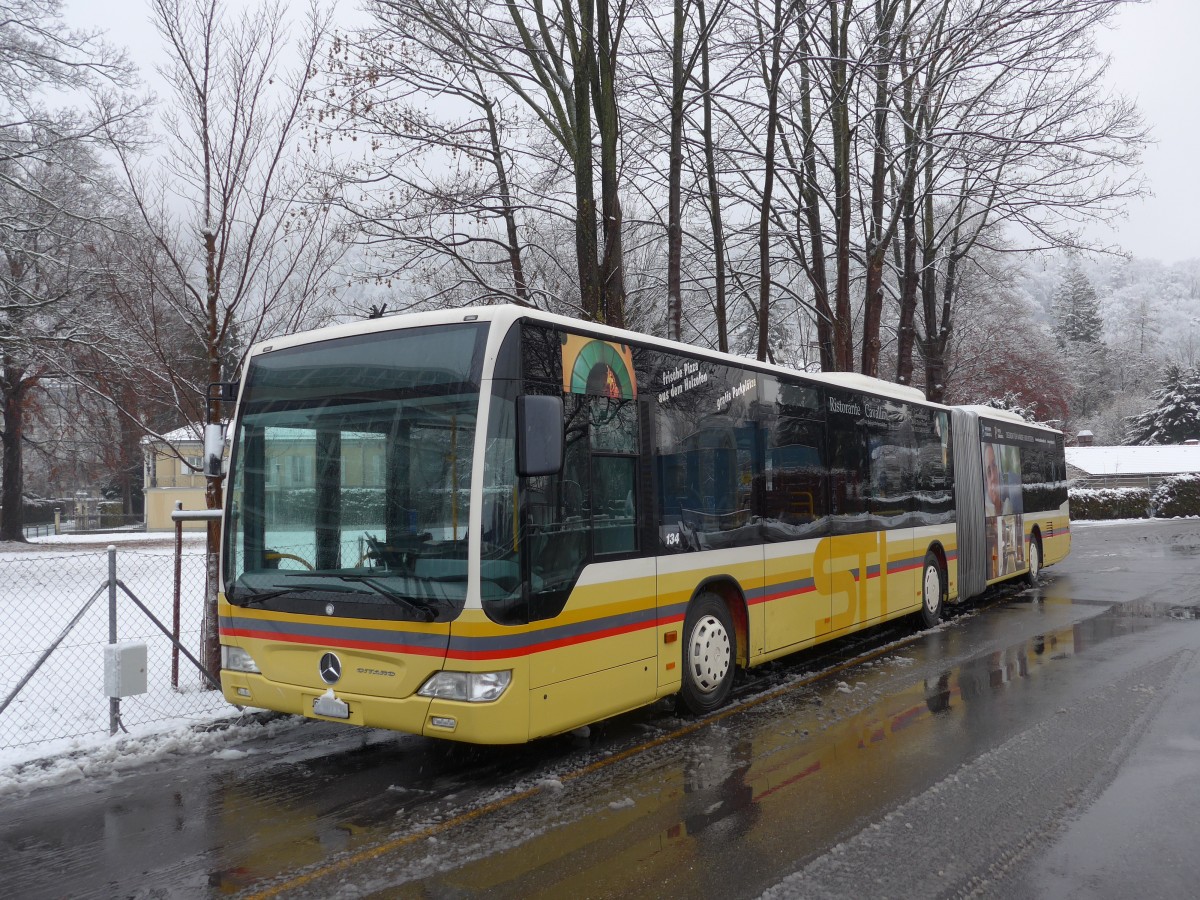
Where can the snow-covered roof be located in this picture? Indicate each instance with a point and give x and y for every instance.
(183, 434)
(1164, 459)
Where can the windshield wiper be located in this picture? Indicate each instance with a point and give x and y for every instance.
(256, 596)
(428, 610)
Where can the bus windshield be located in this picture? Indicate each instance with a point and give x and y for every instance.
(351, 474)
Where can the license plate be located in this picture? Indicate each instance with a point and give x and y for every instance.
(331, 707)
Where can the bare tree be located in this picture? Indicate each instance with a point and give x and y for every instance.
(1019, 137)
(559, 65)
(240, 243)
(462, 226)
(243, 244)
(52, 206)
(50, 203)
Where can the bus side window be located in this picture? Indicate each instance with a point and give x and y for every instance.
(934, 494)
(892, 449)
(797, 479)
(848, 464)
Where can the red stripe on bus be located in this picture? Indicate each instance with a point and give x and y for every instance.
(769, 597)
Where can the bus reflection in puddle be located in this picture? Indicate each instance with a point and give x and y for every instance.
(777, 777)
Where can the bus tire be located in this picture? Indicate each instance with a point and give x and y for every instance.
(933, 591)
(709, 654)
(1035, 559)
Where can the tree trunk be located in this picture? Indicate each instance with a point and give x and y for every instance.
(520, 288)
(811, 216)
(906, 336)
(879, 235)
(907, 330)
(714, 196)
(674, 177)
(213, 495)
(612, 267)
(586, 245)
(12, 513)
(764, 217)
(843, 336)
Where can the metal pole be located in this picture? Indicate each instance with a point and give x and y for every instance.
(114, 703)
(212, 679)
(175, 611)
(210, 646)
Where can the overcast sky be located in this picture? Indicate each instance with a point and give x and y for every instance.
(1151, 47)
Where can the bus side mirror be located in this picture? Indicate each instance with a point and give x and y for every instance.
(539, 435)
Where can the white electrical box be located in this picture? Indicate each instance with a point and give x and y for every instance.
(124, 669)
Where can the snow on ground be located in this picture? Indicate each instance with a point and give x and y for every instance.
(94, 758)
(1092, 523)
(63, 711)
(118, 538)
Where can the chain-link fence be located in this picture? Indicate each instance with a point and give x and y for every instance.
(40, 596)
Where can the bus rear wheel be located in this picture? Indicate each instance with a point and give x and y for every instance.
(933, 591)
(1035, 560)
(709, 654)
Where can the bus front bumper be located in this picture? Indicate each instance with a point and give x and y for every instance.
(503, 721)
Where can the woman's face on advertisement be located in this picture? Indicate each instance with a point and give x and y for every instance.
(992, 475)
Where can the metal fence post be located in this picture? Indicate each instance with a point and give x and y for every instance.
(210, 645)
(114, 703)
(175, 611)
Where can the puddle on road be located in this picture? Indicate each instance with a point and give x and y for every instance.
(803, 768)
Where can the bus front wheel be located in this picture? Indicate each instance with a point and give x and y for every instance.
(709, 653)
(932, 591)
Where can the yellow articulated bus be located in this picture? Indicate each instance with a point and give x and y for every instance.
(492, 525)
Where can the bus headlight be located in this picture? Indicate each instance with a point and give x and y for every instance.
(237, 660)
(473, 687)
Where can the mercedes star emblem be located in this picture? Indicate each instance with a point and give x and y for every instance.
(330, 668)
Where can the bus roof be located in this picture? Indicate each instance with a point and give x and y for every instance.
(1004, 415)
(506, 314)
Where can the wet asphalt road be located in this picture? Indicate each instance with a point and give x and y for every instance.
(1043, 743)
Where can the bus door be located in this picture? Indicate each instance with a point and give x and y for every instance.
(589, 580)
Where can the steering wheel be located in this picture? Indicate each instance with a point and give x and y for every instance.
(274, 556)
(400, 555)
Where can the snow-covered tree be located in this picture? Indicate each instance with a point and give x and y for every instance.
(1077, 317)
(1014, 403)
(1175, 416)
(1000, 352)
(52, 204)
(52, 207)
